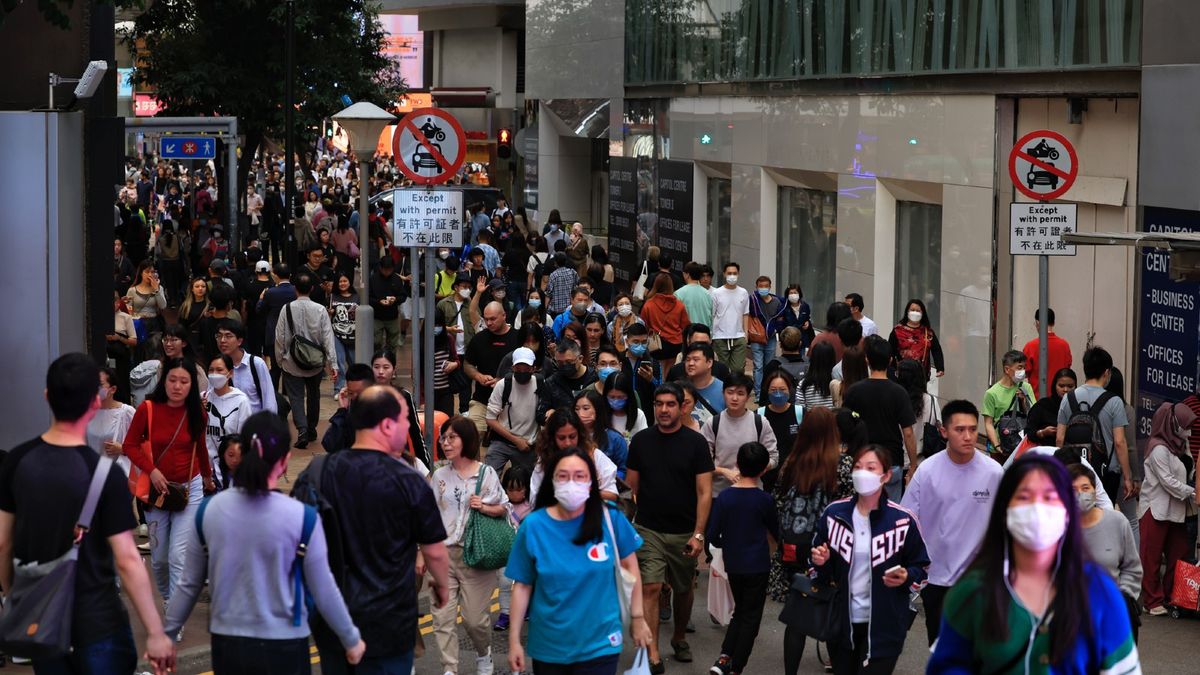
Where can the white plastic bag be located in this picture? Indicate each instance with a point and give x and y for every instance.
(720, 595)
(641, 663)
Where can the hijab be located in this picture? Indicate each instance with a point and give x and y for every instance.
(1168, 420)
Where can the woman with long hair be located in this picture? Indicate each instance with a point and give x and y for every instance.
(383, 365)
(665, 315)
(562, 566)
(195, 305)
(592, 409)
(797, 313)
(1033, 596)
(146, 298)
(834, 315)
(816, 389)
(1168, 498)
(875, 578)
(515, 260)
(177, 344)
(172, 421)
(564, 430)
(1041, 426)
(627, 416)
(343, 308)
(854, 370)
(595, 331)
(913, 338)
(247, 552)
(462, 486)
(784, 416)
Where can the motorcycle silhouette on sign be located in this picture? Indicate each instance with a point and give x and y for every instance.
(1042, 150)
(426, 160)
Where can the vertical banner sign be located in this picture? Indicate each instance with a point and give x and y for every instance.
(1168, 325)
(675, 186)
(622, 217)
(531, 168)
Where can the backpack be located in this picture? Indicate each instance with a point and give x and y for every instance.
(758, 424)
(1010, 427)
(796, 369)
(300, 596)
(1083, 427)
(508, 384)
(307, 489)
(539, 269)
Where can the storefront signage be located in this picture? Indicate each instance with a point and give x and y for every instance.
(1168, 360)
(622, 217)
(427, 217)
(1043, 165)
(1037, 229)
(674, 233)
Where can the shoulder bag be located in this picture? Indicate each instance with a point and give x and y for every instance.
(625, 578)
(36, 619)
(487, 541)
(818, 610)
(931, 436)
(639, 286)
(307, 354)
(139, 481)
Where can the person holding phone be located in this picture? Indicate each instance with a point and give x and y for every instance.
(872, 549)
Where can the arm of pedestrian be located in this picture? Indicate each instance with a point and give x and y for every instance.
(6, 551)
(437, 561)
(160, 649)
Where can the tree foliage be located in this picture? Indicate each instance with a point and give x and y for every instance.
(56, 11)
(204, 57)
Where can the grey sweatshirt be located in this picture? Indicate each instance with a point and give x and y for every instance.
(1110, 542)
(251, 546)
(735, 431)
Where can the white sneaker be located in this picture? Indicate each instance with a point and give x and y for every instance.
(1157, 611)
(483, 664)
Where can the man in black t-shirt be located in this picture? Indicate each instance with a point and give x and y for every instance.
(384, 511)
(885, 408)
(670, 473)
(43, 484)
(482, 360)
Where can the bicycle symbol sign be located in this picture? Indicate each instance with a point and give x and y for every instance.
(1043, 165)
(429, 146)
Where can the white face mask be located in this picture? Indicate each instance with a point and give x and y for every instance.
(793, 298)
(1037, 527)
(464, 293)
(624, 310)
(731, 279)
(1019, 376)
(914, 317)
(444, 254)
(217, 380)
(866, 483)
(1085, 501)
(571, 495)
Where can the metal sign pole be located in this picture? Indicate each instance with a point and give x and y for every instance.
(430, 308)
(1043, 323)
(416, 304)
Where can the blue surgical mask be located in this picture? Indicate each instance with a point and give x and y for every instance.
(604, 372)
(637, 350)
(535, 303)
(617, 404)
(763, 292)
(778, 397)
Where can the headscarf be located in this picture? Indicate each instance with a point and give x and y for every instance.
(1165, 427)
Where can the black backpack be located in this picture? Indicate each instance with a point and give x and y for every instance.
(1083, 427)
(1011, 423)
(716, 424)
(307, 489)
(539, 271)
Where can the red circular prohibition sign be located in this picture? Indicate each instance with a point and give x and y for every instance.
(1068, 177)
(449, 165)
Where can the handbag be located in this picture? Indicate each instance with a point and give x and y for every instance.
(639, 287)
(625, 579)
(654, 344)
(756, 332)
(139, 481)
(818, 610)
(931, 435)
(487, 541)
(175, 497)
(36, 619)
(720, 595)
(641, 663)
(308, 355)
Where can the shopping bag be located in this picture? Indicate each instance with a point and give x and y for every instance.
(1186, 592)
(641, 663)
(720, 595)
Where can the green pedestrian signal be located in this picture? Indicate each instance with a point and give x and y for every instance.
(705, 139)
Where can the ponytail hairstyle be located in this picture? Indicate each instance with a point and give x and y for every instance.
(266, 441)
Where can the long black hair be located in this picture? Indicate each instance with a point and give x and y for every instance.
(592, 527)
(623, 382)
(821, 359)
(1072, 615)
(603, 418)
(266, 441)
(197, 419)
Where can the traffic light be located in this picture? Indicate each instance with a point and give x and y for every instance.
(504, 143)
(328, 130)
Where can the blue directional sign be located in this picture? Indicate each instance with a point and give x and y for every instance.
(187, 147)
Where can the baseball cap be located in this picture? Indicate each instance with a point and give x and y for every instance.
(262, 267)
(217, 264)
(496, 284)
(523, 355)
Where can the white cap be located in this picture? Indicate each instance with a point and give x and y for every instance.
(262, 266)
(523, 355)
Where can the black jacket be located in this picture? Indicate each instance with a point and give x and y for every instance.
(379, 287)
(560, 392)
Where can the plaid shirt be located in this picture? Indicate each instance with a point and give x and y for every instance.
(558, 287)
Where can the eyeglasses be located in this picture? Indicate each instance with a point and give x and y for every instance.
(224, 337)
(171, 340)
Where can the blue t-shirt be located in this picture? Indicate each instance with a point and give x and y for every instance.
(714, 394)
(617, 450)
(575, 614)
(740, 521)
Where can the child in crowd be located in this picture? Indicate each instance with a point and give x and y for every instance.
(229, 455)
(516, 483)
(742, 520)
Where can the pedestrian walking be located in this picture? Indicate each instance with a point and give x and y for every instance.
(1109, 540)
(305, 326)
(1168, 499)
(730, 322)
(914, 338)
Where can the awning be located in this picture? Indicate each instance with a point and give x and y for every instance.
(1171, 241)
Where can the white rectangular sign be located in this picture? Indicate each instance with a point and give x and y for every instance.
(427, 218)
(1037, 229)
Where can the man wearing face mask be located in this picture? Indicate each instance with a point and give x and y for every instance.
(581, 302)
(572, 375)
(454, 313)
(647, 372)
(1006, 404)
(731, 320)
(951, 494)
(512, 414)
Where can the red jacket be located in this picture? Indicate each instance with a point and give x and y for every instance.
(665, 314)
(175, 461)
(1059, 353)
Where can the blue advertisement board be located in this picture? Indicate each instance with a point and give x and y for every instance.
(1168, 323)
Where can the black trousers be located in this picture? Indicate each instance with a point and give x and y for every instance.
(251, 656)
(850, 661)
(604, 665)
(749, 595)
(932, 598)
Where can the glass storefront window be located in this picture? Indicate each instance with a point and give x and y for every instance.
(808, 244)
(919, 257)
(720, 218)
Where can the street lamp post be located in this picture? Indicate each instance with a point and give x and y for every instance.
(364, 122)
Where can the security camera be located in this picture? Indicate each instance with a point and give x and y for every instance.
(90, 82)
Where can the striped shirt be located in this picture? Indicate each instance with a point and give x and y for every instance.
(809, 398)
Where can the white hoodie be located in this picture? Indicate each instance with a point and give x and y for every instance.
(226, 415)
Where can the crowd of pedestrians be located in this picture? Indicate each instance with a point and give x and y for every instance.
(593, 449)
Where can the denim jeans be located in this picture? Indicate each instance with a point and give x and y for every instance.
(895, 487)
(345, 357)
(114, 655)
(762, 355)
(233, 655)
(169, 532)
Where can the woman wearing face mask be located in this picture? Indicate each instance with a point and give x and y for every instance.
(564, 430)
(1109, 540)
(627, 417)
(445, 361)
(622, 318)
(228, 408)
(665, 314)
(878, 555)
(461, 486)
(913, 338)
(769, 309)
(1168, 498)
(562, 563)
(1032, 601)
(783, 415)
(107, 429)
(1042, 423)
(796, 312)
(592, 409)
